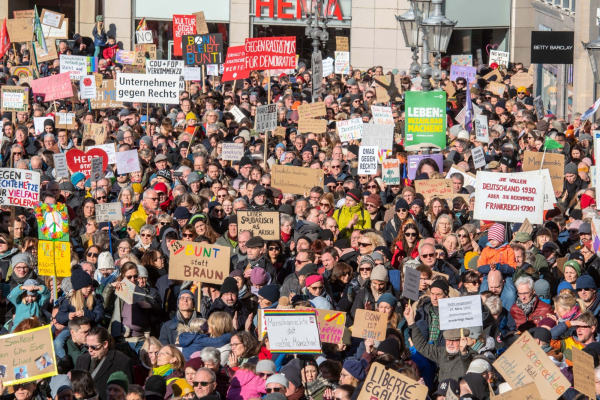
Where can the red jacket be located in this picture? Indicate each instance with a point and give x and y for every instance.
(540, 309)
(400, 254)
(110, 52)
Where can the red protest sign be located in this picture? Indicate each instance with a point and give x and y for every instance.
(235, 64)
(271, 53)
(78, 161)
(53, 87)
(182, 25)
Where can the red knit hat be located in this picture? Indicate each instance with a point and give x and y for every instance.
(496, 232)
(587, 201)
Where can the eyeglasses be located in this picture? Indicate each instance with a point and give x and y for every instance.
(301, 262)
(130, 277)
(203, 383)
(274, 248)
(235, 344)
(153, 198)
(364, 244)
(276, 390)
(218, 210)
(461, 235)
(146, 235)
(365, 269)
(188, 235)
(371, 187)
(92, 347)
(410, 234)
(124, 248)
(402, 210)
(430, 255)
(325, 204)
(586, 289)
(264, 375)
(90, 254)
(336, 167)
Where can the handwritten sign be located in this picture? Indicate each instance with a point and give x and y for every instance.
(271, 53)
(388, 87)
(57, 33)
(203, 49)
(463, 59)
(95, 132)
(199, 262)
(19, 187)
(29, 14)
(60, 165)
(367, 160)
(106, 96)
(295, 180)
(341, 43)
(384, 383)
(554, 162)
(76, 66)
(460, 312)
(201, 27)
(342, 62)
(313, 110)
(391, 171)
(53, 87)
(478, 157)
(482, 132)
(549, 197)
(51, 18)
(235, 64)
(64, 120)
(382, 115)
(266, 118)
(232, 151)
(192, 73)
(331, 325)
(293, 331)
(53, 254)
(14, 99)
(434, 187)
(457, 71)
(381, 136)
(526, 362)
(522, 79)
(261, 223)
(19, 30)
(411, 284)
(127, 291)
(499, 57)
(182, 25)
(526, 392)
(143, 37)
(583, 372)
(312, 125)
(369, 325)
(128, 161)
(78, 161)
(350, 129)
(108, 212)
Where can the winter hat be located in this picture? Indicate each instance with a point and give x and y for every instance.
(106, 261)
(402, 204)
(357, 368)
(542, 289)
(389, 299)
(59, 383)
(354, 194)
(118, 378)
(571, 168)
(77, 177)
(575, 265)
(379, 273)
(187, 292)
(440, 284)
(374, 199)
(136, 224)
(269, 292)
(193, 177)
(194, 363)
(142, 271)
(367, 260)
(292, 372)
(547, 321)
(390, 346)
(230, 286)
(496, 232)
(31, 282)
(259, 276)
(277, 378)
(587, 201)
(181, 387)
(181, 213)
(585, 282)
(564, 285)
(311, 280)
(156, 385)
(266, 366)
(21, 258)
(80, 279)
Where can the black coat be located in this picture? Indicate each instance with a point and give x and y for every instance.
(114, 361)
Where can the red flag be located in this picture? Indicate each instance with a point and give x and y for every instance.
(4, 39)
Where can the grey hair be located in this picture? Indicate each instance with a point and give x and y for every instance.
(148, 192)
(25, 163)
(459, 176)
(212, 355)
(211, 127)
(283, 218)
(149, 228)
(240, 200)
(508, 145)
(444, 216)
(49, 135)
(183, 168)
(127, 189)
(524, 280)
(494, 304)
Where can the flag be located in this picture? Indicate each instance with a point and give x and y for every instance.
(142, 25)
(551, 144)
(37, 30)
(590, 111)
(469, 113)
(4, 39)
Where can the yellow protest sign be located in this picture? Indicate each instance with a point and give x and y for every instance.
(199, 262)
(53, 255)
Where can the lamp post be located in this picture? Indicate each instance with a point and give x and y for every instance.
(593, 49)
(318, 13)
(429, 29)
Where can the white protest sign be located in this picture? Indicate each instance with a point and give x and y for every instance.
(499, 57)
(147, 88)
(349, 129)
(192, 73)
(238, 114)
(109, 148)
(367, 160)
(19, 187)
(391, 171)
(212, 70)
(60, 165)
(469, 180)
(482, 132)
(549, 197)
(87, 87)
(460, 312)
(167, 67)
(382, 115)
(233, 151)
(127, 162)
(509, 197)
(143, 37)
(342, 62)
(76, 66)
(65, 118)
(266, 118)
(328, 66)
(380, 136)
(596, 137)
(38, 124)
(293, 331)
(108, 212)
(97, 172)
(478, 157)
(12, 100)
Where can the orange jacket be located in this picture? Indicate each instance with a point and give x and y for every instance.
(501, 255)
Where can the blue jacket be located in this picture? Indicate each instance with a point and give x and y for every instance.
(96, 314)
(508, 295)
(193, 342)
(24, 311)
(168, 330)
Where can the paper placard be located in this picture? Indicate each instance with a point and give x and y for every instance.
(143, 37)
(14, 99)
(19, 30)
(527, 392)
(126, 292)
(96, 132)
(182, 25)
(109, 148)
(549, 197)
(192, 73)
(367, 160)
(553, 161)
(64, 120)
(212, 70)
(106, 96)
(60, 165)
(108, 212)
(496, 88)
(312, 126)
(457, 71)
(78, 161)
(384, 383)
(331, 324)
(583, 372)
(411, 284)
(97, 170)
(266, 118)
(235, 64)
(382, 115)
(464, 59)
(434, 187)
(38, 124)
(147, 48)
(521, 79)
(147, 88)
(237, 113)
(201, 27)
(271, 53)
(470, 179)
(482, 132)
(232, 151)
(369, 325)
(199, 262)
(499, 57)
(388, 87)
(128, 161)
(391, 171)
(342, 62)
(57, 33)
(53, 87)
(380, 136)
(509, 197)
(51, 18)
(76, 66)
(341, 43)
(261, 223)
(54, 254)
(295, 180)
(87, 87)
(313, 110)
(460, 312)
(293, 331)
(350, 129)
(525, 356)
(478, 157)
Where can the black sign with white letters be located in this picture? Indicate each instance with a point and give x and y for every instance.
(548, 47)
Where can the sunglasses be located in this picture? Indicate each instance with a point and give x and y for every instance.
(146, 235)
(95, 348)
(188, 235)
(203, 384)
(102, 198)
(428, 255)
(132, 276)
(462, 235)
(273, 248)
(264, 375)
(371, 187)
(364, 244)
(402, 210)
(276, 390)
(365, 269)
(93, 255)
(410, 234)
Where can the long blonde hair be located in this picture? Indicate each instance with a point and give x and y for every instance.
(79, 301)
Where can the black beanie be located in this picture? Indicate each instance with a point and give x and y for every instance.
(245, 161)
(390, 346)
(229, 286)
(355, 194)
(156, 384)
(80, 279)
(440, 284)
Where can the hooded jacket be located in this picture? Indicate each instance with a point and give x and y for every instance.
(501, 255)
(246, 385)
(345, 214)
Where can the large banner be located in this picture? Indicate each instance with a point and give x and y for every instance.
(426, 118)
(19, 187)
(146, 88)
(271, 53)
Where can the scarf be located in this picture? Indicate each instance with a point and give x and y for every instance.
(126, 207)
(526, 307)
(232, 240)
(468, 247)
(571, 315)
(434, 327)
(165, 370)
(242, 291)
(286, 236)
(109, 279)
(488, 244)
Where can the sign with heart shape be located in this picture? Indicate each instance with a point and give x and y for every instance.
(78, 161)
(491, 46)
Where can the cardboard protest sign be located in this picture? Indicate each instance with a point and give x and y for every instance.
(280, 131)
(313, 110)
(349, 129)
(51, 54)
(434, 187)
(271, 53)
(126, 292)
(106, 96)
(449, 88)
(54, 258)
(78, 161)
(367, 160)
(460, 312)
(583, 372)
(95, 132)
(499, 57)
(331, 325)
(232, 151)
(369, 324)
(60, 165)
(469, 73)
(295, 180)
(482, 132)
(125, 57)
(526, 362)
(425, 118)
(493, 73)
(342, 62)
(384, 383)
(261, 223)
(527, 392)
(496, 88)
(382, 115)
(341, 43)
(143, 36)
(414, 162)
(64, 120)
(51, 18)
(134, 69)
(201, 27)
(478, 157)
(19, 187)
(312, 126)
(388, 87)
(199, 262)
(147, 88)
(266, 118)
(235, 64)
(293, 331)
(57, 33)
(182, 25)
(20, 14)
(19, 30)
(381, 136)
(464, 59)
(391, 171)
(522, 79)
(28, 356)
(108, 212)
(150, 49)
(554, 162)
(509, 197)
(14, 99)
(411, 284)
(203, 49)
(54, 87)
(470, 179)
(549, 197)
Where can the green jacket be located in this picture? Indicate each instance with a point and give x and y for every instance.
(345, 214)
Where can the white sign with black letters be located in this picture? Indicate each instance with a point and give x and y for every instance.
(367, 160)
(266, 118)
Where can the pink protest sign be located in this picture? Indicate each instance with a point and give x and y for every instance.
(53, 87)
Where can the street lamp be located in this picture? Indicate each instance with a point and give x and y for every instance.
(318, 13)
(593, 49)
(413, 37)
